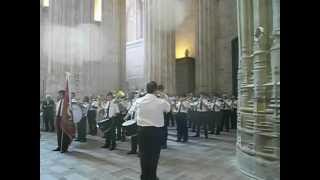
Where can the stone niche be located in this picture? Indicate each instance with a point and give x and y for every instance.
(185, 75)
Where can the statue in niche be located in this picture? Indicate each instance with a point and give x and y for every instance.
(259, 33)
(186, 53)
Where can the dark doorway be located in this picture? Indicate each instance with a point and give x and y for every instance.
(235, 63)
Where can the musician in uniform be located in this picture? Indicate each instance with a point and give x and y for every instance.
(202, 119)
(218, 115)
(48, 106)
(82, 125)
(150, 120)
(92, 115)
(111, 111)
(167, 117)
(181, 117)
(226, 112)
(234, 105)
(131, 115)
(63, 143)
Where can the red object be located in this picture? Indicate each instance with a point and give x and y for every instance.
(66, 123)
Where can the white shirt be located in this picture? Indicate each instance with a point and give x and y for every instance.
(149, 110)
(204, 105)
(184, 107)
(57, 107)
(113, 110)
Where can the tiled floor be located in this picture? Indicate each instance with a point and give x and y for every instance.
(200, 159)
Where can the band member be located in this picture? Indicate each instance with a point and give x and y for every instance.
(218, 115)
(226, 112)
(82, 125)
(202, 120)
(120, 133)
(131, 115)
(92, 116)
(112, 111)
(166, 117)
(234, 105)
(181, 117)
(63, 143)
(150, 112)
(48, 106)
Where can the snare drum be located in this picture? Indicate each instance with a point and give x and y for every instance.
(131, 127)
(105, 125)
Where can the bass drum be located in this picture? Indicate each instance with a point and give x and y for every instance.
(76, 112)
(131, 127)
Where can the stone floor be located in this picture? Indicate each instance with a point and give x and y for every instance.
(199, 159)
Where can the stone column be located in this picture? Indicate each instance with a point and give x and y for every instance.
(159, 39)
(205, 46)
(258, 142)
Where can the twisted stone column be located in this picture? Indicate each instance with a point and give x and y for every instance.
(159, 37)
(258, 136)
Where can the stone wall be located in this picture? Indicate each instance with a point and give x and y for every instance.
(135, 64)
(94, 52)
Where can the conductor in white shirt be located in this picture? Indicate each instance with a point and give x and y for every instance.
(150, 120)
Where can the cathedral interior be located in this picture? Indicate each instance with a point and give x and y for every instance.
(214, 47)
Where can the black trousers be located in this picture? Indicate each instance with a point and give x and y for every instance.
(171, 118)
(111, 135)
(225, 120)
(218, 122)
(82, 129)
(202, 121)
(165, 130)
(182, 128)
(120, 132)
(212, 122)
(48, 121)
(149, 149)
(92, 114)
(134, 143)
(234, 119)
(62, 138)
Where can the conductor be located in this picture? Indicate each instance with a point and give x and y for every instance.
(150, 120)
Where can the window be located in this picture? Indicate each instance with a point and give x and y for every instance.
(45, 3)
(98, 10)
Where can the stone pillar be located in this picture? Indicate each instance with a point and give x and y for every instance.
(258, 135)
(205, 46)
(159, 39)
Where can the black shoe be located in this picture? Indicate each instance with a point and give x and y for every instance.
(178, 140)
(211, 132)
(185, 140)
(64, 151)
(77, 139)
(131, 152)
(164, 147)
(56, 149)
(217, 133)
(112, 148)
(83, 141)
(105, 146)
(196, 136)
(206, 137)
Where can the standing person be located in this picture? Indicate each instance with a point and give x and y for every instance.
(181, 117)
(226, 112)
(82, 125)
(111, 112)
(62, 138)
(218, 115)
(48, 106)
(167, 115)
(92, 116)
(202, 119)
(234, 105)
(150, 112)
